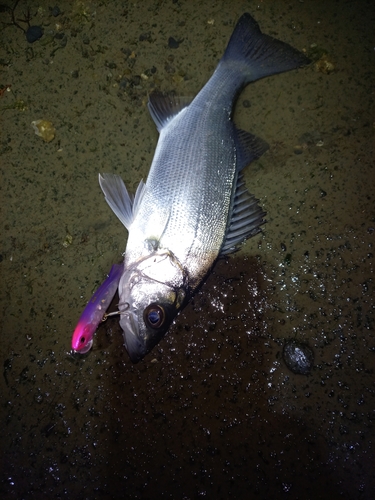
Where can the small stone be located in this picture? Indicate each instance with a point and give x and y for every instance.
(55, 11)
(136, 80)
(33, 33)
(123, 83)
(44, 129)
(145, 37)
(298, 357)
(110, 64)
(68, 240)
(173, 43)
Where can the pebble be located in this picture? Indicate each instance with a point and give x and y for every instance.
(173, 43)
(33, 33)
(298, 357)
(55, 11)
(145, 36)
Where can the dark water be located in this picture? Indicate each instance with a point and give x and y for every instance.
(214, 410)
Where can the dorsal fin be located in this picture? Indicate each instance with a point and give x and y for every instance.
(245, 219)
(164, 107)
(249, 148)
(125, 206)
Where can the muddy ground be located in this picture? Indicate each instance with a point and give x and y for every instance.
(213, 410)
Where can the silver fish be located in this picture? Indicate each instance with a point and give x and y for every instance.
(194, 206)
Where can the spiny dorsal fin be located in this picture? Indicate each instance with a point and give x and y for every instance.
(164, 107)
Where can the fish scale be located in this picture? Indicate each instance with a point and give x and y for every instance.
(187, 162)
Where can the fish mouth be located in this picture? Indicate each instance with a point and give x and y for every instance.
(134, 344)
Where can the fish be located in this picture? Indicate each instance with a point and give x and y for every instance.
(194, 206)
(93, 314)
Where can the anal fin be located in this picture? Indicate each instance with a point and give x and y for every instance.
(245, 219)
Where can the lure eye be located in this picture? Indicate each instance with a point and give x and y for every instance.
(154, 316)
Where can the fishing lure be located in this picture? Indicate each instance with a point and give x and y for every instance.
(95, 311)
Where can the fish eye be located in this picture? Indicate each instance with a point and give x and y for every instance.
(154, 316)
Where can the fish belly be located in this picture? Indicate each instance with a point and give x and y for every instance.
(189, 188)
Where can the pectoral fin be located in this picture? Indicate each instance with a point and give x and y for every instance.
(125, 206)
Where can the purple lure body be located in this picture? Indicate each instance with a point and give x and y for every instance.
(93, 313)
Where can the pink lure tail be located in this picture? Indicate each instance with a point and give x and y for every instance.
(93, 313)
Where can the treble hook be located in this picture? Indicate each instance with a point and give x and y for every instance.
(106, 315)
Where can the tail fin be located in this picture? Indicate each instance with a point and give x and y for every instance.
(262, 54)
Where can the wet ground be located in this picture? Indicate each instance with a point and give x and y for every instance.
(214, 410)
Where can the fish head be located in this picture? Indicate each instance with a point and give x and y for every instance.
(152, 292)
